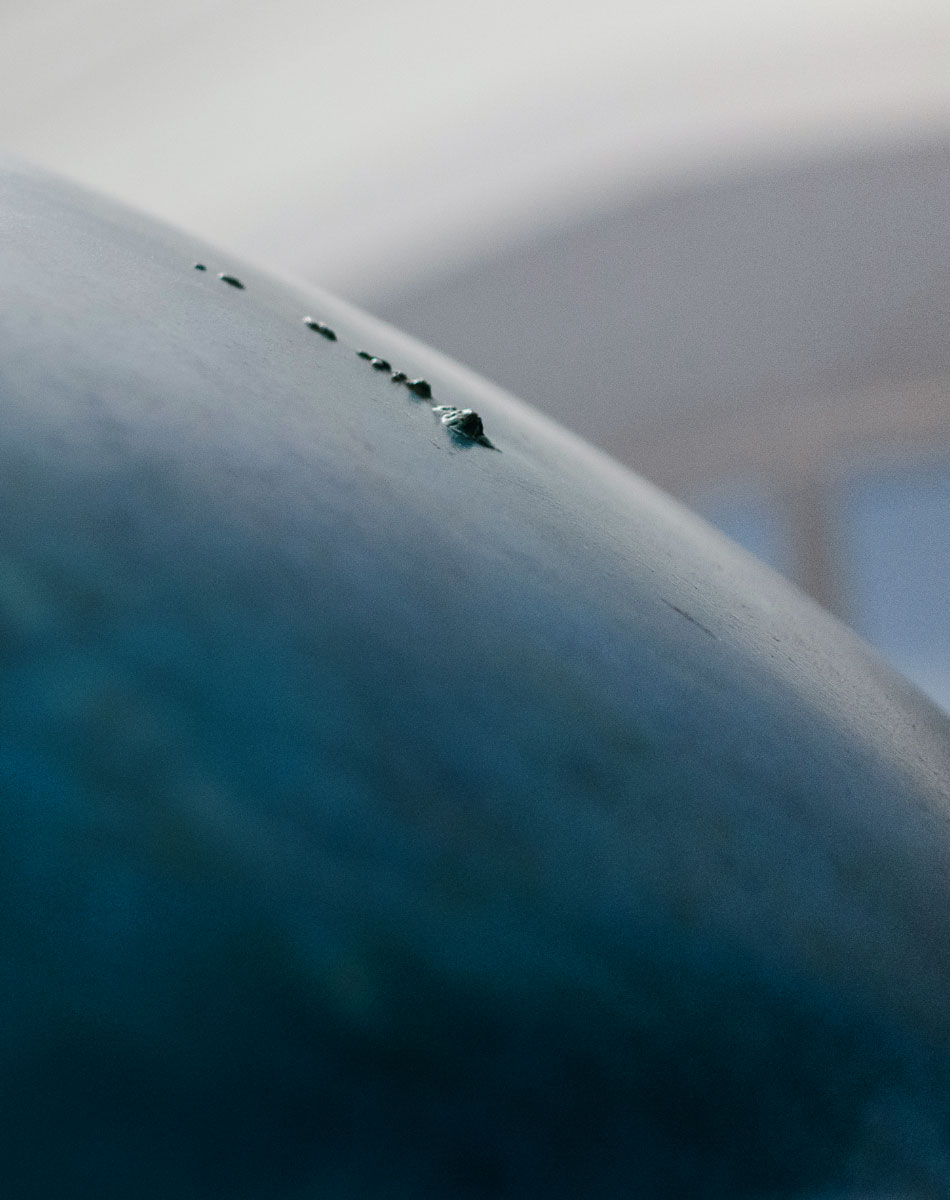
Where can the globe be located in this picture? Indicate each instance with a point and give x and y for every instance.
(398, 798)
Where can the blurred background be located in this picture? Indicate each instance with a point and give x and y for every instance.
(712, 236)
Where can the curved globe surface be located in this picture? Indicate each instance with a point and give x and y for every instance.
(394, 804)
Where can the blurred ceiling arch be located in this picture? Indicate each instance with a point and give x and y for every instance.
(369, 144)
(764, 320)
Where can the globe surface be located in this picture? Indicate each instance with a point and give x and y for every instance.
(398, 806)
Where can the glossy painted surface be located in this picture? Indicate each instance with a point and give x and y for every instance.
(385, 814)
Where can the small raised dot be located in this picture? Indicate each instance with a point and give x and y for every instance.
(200, 267)
(399, 376)
(379, 364)
(463, 421)
(319, 327)
(365, 354)
(421, 388)
(232, 280)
